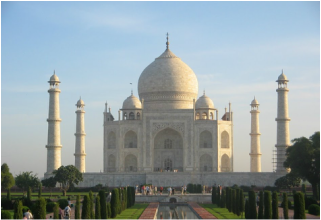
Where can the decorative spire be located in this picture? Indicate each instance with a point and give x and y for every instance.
(132, 92)
(282, 71)
(54, 72)
(204, 92)
(167, 43)
(106, 106)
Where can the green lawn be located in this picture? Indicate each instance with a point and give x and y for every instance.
(220, 213)
(133, 212)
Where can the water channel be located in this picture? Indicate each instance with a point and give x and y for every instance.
(175, 211)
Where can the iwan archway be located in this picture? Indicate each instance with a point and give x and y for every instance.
(168, 151)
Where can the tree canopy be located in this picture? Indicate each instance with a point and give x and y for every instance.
(303, 157)
(27, 179)
(7, 180)
(288, 181)
(66, 176)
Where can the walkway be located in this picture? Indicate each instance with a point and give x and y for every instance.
(201, 211)
(150, 211)
(291, 214)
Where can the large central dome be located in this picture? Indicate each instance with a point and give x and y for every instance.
(168, 83)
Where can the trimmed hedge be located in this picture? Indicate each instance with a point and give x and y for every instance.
(40, 209)
(223, 199)
(114, 203)
(213, 195)
(261, 206)
(275, 208)
(62, 203)
(85, 212)
(5, 214)
(50, 206)
(242, 208)
(18, 213)
(314, 209)
(97, 208)
(77, 208)
(103, 205)
(299, 206)
(285, 206)
(56, 211)
(252, 205)
(267, 205)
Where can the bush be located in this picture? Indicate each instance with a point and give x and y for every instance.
(261, 206)
(25, 208)
(56, 211)
(62, 203)
(275, 208)
(18, 211)
(6, 204)
(199, 188)
(245, 188)
(103, 207)
(223, 199)
(218, 196)
(247, 209)
(97, 208)
(299, 208)
(285, 206)
(314, 209)
(267, 205)
(5, 214)
(213, 195)
(108, 210)
(77, 208)
(310, 201)
(85, 213)
(91, 205)
(40, 209)
(190, 188)
(50, 206)
(114, 203)
(252, 205)
(241, 202)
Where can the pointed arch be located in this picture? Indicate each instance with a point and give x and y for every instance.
(225, 163)
(205, 140)
(111, 140)
(130, 140)
(225, 140)
(131, 116)
(206, 163)
(131, 163)
(111, 163)
(197, 116)
(204, 115)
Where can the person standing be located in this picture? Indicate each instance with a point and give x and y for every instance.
(161, 190)
(67, 212)
(28, 214)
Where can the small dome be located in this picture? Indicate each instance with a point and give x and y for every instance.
(204, 102)
(132, 102)
(54, 78)
(254, 102)
(282, 77)
(80, 103)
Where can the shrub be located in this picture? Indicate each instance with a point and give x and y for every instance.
(108, 209)
(223, 199)
(285, 206)
(40, 191)
(275, 208)
(56, 211)
(5, 214)
(29, 194)
(18, 212)
(62, 203)
(233, 200)
(8, 194)
(213, 195)
(50, 206)
(25, 208)
(114, 203)
(314, 209)
(85, 214)
(299, 207)
(103, 207)
(247, 209)
(267, 205)
(190, 188)
(229, 199)
(242, 208)
(261, 206)
(91, 205)
(40, 209)
(237, 203)
(6, 204)
(218, 196)
(77, 208)
(97, 208)
(245, 188)
(199, 188)
(309, 201)
(252, 205)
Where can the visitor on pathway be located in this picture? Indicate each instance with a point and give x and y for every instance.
(173, 190)
(182, 190)
(28, 214)
(61, 213)
(155, 189)
(161, 190)
(67, 212)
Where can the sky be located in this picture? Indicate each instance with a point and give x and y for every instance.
(236, 49)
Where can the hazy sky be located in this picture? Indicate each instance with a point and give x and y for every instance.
(236, 49)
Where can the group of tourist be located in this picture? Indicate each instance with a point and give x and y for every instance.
(153, 190)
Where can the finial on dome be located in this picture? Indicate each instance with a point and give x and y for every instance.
(167, 43)
(282, 71)
(204, 92)
(54, 72)
(106, 106)
(131, 92)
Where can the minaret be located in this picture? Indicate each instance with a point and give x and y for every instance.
(53, 145)
(282, 120)
(255, 154)
(80, 134)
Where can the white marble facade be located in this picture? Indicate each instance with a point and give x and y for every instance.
(166, 129)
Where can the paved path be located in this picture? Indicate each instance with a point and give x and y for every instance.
(291, 214)
(150, 211)
(203, 213)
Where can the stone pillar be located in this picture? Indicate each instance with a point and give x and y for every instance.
(53, 144)
(255, 154)
(80, 134)
(282, 120)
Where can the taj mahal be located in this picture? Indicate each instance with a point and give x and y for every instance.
(168, 135)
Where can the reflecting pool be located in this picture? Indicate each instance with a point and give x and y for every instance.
(175, 211)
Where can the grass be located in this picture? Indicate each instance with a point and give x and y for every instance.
(133, 212)
(220, 213)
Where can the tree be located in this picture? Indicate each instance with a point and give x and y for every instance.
(267, 205)
(49, 183)
(66, 176)
(275, 204)
(285, 206)
(56, 211)
(85, 214)
(213, 195)
(18, 214)
(241, 202)
(218, 196)
(237, 203)
(247, 209)
(288, 181)
(303, 157)
(26, 180)
(261, 206)
(103, 205)
(91, 204)
(97, 208)
(299, 206)
(77, 207)
(114, 203)
(40, 209)
(252, 205)
(223, 199)
(7, 180)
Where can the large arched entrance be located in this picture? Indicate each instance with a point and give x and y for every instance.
(168, 151)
